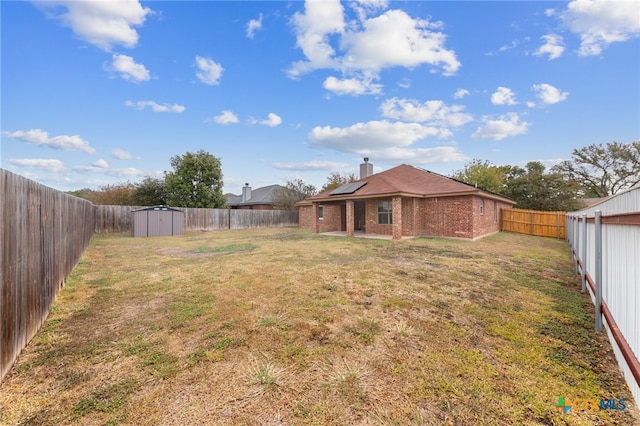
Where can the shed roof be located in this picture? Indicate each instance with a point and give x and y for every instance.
(408, 181)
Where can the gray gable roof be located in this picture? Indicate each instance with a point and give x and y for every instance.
(262, 195)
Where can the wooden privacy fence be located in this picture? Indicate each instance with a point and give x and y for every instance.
(534, 222)
(118, 218)
(43, 233)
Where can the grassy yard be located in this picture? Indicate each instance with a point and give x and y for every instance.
(278, 326)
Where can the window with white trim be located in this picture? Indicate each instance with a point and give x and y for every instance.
(320, 211)
(385, 212)
(481, 206)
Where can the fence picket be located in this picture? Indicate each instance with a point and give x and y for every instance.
(43, 233)
(534, 222)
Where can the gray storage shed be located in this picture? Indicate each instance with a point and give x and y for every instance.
(157, 221)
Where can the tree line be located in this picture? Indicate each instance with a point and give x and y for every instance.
(196, 181)
(595, 171)
(592, 172)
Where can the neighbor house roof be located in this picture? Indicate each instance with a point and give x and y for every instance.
(404, 180)
(262, 195)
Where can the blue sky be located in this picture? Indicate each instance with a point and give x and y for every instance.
(95, 93)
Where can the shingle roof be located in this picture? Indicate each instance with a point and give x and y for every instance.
(408, 181)
(262, 195)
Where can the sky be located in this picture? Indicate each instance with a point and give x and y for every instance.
(95, 93)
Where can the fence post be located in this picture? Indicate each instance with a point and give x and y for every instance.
(584, 253)
(598, 279)
(577, 241)
(558, 224)
(531, 220)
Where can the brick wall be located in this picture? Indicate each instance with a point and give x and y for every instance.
(456, 217)
(489, 222)
(256, 207)
(331, 220)
(445, 217)
(371, 213)
(305, 217)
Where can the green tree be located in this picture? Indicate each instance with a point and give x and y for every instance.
(336, 180)
(603, 170)
(482, 174)
(293, 191)
(150, 192)
(86, 193)
(534, 189)
(196, 181)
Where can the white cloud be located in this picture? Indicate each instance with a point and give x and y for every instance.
(504, 48)
(460, 93)
(395, 39)
(549, 12)
(548, 94)
(367, 45)
(364, 8)
(209, 72)
(129, 69)
(405, 83)
(311, 165)
(431, 112)
(155, 107)
(385, 141)
(313, 28)
(253, 25)
(41, 138)
(602, 22)
(50, 165)
(101, 23)
(101, 163)
(553, 46)
(503, 96)
(127, 172)
(505, 126)
(352, 86)
(272, 120)
(226, 117)
(382, 139)
(121, 154)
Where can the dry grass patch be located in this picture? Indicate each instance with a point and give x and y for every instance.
(278, 326)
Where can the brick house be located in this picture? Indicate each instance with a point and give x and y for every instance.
(405, 201)
(257, 199)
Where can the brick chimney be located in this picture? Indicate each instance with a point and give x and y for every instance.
(246, 193)
(366, 168)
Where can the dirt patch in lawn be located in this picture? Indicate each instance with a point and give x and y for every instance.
(278, 326)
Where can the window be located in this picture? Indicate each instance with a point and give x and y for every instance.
(481, 207)
(495, 212)
(385, 209)
(320, 211)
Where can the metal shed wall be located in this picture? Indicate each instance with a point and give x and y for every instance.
(157, 222)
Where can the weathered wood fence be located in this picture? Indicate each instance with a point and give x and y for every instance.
(534, 222)
(43, 233)
(118, 218)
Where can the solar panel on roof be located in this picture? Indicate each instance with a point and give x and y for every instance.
(348, 188)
